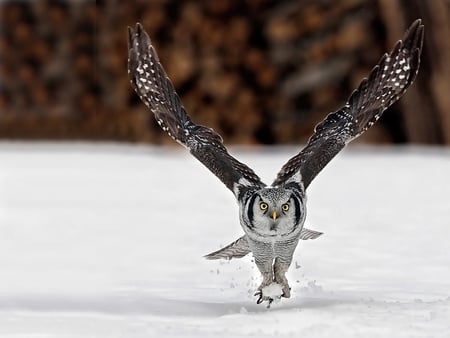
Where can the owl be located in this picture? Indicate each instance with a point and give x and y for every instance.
(272, 217)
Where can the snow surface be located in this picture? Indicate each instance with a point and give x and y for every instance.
(273, 291)
(107, 241)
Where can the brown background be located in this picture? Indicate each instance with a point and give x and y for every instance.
(258, 72)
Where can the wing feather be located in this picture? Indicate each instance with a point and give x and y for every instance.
(155, 89)
(386, 83)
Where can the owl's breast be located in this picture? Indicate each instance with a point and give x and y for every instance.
(273, 248)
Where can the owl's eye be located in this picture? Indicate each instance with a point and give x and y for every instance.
(263, 206)
(285, 207)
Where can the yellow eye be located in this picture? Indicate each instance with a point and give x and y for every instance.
(263, 206)
(285, 207)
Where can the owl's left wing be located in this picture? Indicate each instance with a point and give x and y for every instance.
(155, 89)
(386, 83)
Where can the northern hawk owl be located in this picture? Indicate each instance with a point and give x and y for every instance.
(272, 217)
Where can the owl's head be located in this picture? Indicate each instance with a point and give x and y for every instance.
(275, 211)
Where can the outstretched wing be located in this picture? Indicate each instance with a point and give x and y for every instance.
(155, 89)
(386, 83)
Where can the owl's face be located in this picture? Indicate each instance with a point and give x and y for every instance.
(275, 211)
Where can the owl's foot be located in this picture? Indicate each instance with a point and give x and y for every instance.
(269, 293)
(286, 290)
(280, 278)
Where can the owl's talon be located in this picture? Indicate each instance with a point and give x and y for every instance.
(268, 299)
(260, 299)
(269, 293)
(263, 298)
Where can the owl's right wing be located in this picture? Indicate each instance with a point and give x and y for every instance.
(155, 89)
(386, 83)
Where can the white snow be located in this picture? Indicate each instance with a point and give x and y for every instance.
(273, 291)
(107, 241)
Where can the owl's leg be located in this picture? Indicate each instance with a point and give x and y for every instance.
(266, 271)
(280, 268)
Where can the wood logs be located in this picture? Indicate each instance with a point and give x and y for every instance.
(258, 72)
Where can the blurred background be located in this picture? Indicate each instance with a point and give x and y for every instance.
(257, 71)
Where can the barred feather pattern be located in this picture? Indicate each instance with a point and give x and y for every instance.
(239, 248)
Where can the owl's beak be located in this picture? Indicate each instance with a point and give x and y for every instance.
(274, 215)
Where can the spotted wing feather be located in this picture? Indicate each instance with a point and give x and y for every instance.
(155, 89)
(386, 83)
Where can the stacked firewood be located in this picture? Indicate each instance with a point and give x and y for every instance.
(257, 71)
